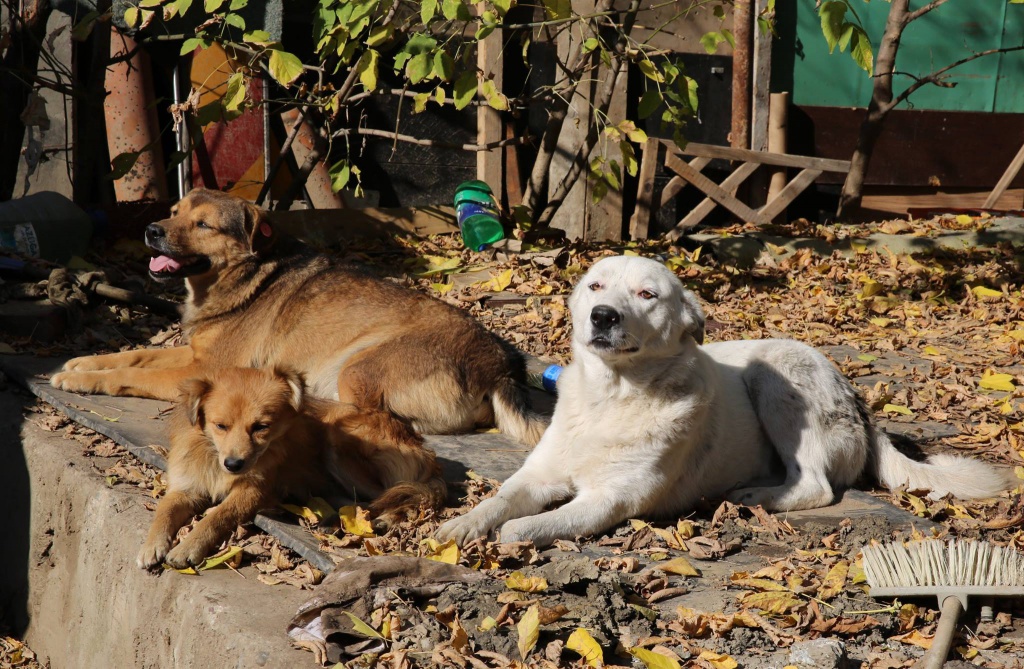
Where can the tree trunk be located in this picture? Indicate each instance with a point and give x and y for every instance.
(17, 71)
(878, 109)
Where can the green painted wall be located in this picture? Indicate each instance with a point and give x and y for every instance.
(802, 64)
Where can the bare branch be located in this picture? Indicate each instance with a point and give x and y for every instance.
(409, 139)
(937, 77)
(918, 13)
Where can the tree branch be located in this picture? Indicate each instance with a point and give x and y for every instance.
(918, 13)
(409, 139)
(936, 76)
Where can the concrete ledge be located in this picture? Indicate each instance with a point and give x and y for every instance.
(68, 578)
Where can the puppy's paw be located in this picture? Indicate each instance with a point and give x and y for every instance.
(752, 496)
(187, 554)
(515, 530)
(463, 529)
(153, 553)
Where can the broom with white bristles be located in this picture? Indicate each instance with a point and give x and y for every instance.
(951, 571)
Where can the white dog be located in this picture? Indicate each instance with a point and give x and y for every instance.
(648, 421)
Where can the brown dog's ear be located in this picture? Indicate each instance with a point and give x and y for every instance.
(261, 233)
(193, 392)
(296, 384)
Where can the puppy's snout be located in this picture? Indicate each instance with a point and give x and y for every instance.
(154, 233)
(604, 317)
(234, 465)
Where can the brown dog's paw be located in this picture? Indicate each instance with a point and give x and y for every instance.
(153, 553)
(79, 382)
(86, 363)
(187, 554)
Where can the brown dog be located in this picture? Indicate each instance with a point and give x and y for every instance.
(245, 438)
(259, 299)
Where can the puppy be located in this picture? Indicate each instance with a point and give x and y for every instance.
(648, 422)
(243, 439)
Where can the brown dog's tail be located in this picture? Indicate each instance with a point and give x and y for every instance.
(378, 456)
(512, 412)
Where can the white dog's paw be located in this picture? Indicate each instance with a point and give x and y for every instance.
(752, 496)
(463, 529)
(153, 553)
(515, 530)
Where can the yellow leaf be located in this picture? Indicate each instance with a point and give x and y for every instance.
(857, 574)
(487, 624)
(920, 508)
(915, 638)
(985, 292)
(302, 512)
(529, 630)
(362, 628)
(6, 348)
(859, 247)
(718, 661)
(581, 642)
(680, 566)
(1016, 334)
(442, 288)
(627, 252)
(758, 584)
(448, 552)
(517, 581)
(772, 602)
(500, 282)
(637, 525)
(440, 265)
(992, 381)
(963, 219)
(895, 408)
(834, 581)
(880, 322)
(355, 520)
(654, 660)
(871, 288)
(218, 560)
(931, 350)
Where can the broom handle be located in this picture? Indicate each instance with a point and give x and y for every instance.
(935, 657)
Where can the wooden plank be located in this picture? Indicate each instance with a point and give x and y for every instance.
(490, 58)
(640, 220)
(713, 190)
(604, 217)
(799, 183)
(780, 159)
(760, 82)
(918, 148)
(1004, 181)
(698, 213)
(671, 189)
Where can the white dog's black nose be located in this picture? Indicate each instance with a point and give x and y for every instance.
(604, 317)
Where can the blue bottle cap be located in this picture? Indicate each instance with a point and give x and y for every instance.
(550, 377)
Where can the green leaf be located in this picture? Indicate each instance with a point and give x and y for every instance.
(428, 8)
(419, 102)
(590, 44)
(558, 9)
(212, 5)
(727, 35)
(83, 28)
(367, 68)
(493, 96)
(257, 37)
(439, 96)
(465, 89)
(454, 9)
(237, 4)
(235, 95)
(182, 6)
(444, 66)
(132, 16)
(122, 164)
(419, 68)
(861, 51)
(380, 35)
(844, 39)
(710, 41)
(504, 5)
(833, 22)
(235, 21)
(191, 44)
(651, 72)
(649, 102)
(284, 67)
(340, 172)
(628, 158)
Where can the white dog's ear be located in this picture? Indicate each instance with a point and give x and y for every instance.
(693, 317)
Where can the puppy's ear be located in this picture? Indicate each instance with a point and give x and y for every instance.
(193, 394)
(261, 233)
(296, 384)
(693, 317)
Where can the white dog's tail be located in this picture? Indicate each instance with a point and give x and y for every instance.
(966, 478)
(512, 413)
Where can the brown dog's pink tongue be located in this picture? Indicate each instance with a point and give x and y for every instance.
(164, 264)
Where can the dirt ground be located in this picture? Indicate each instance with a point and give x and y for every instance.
(931, 339)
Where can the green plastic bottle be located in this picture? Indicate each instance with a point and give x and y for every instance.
(477, 214)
